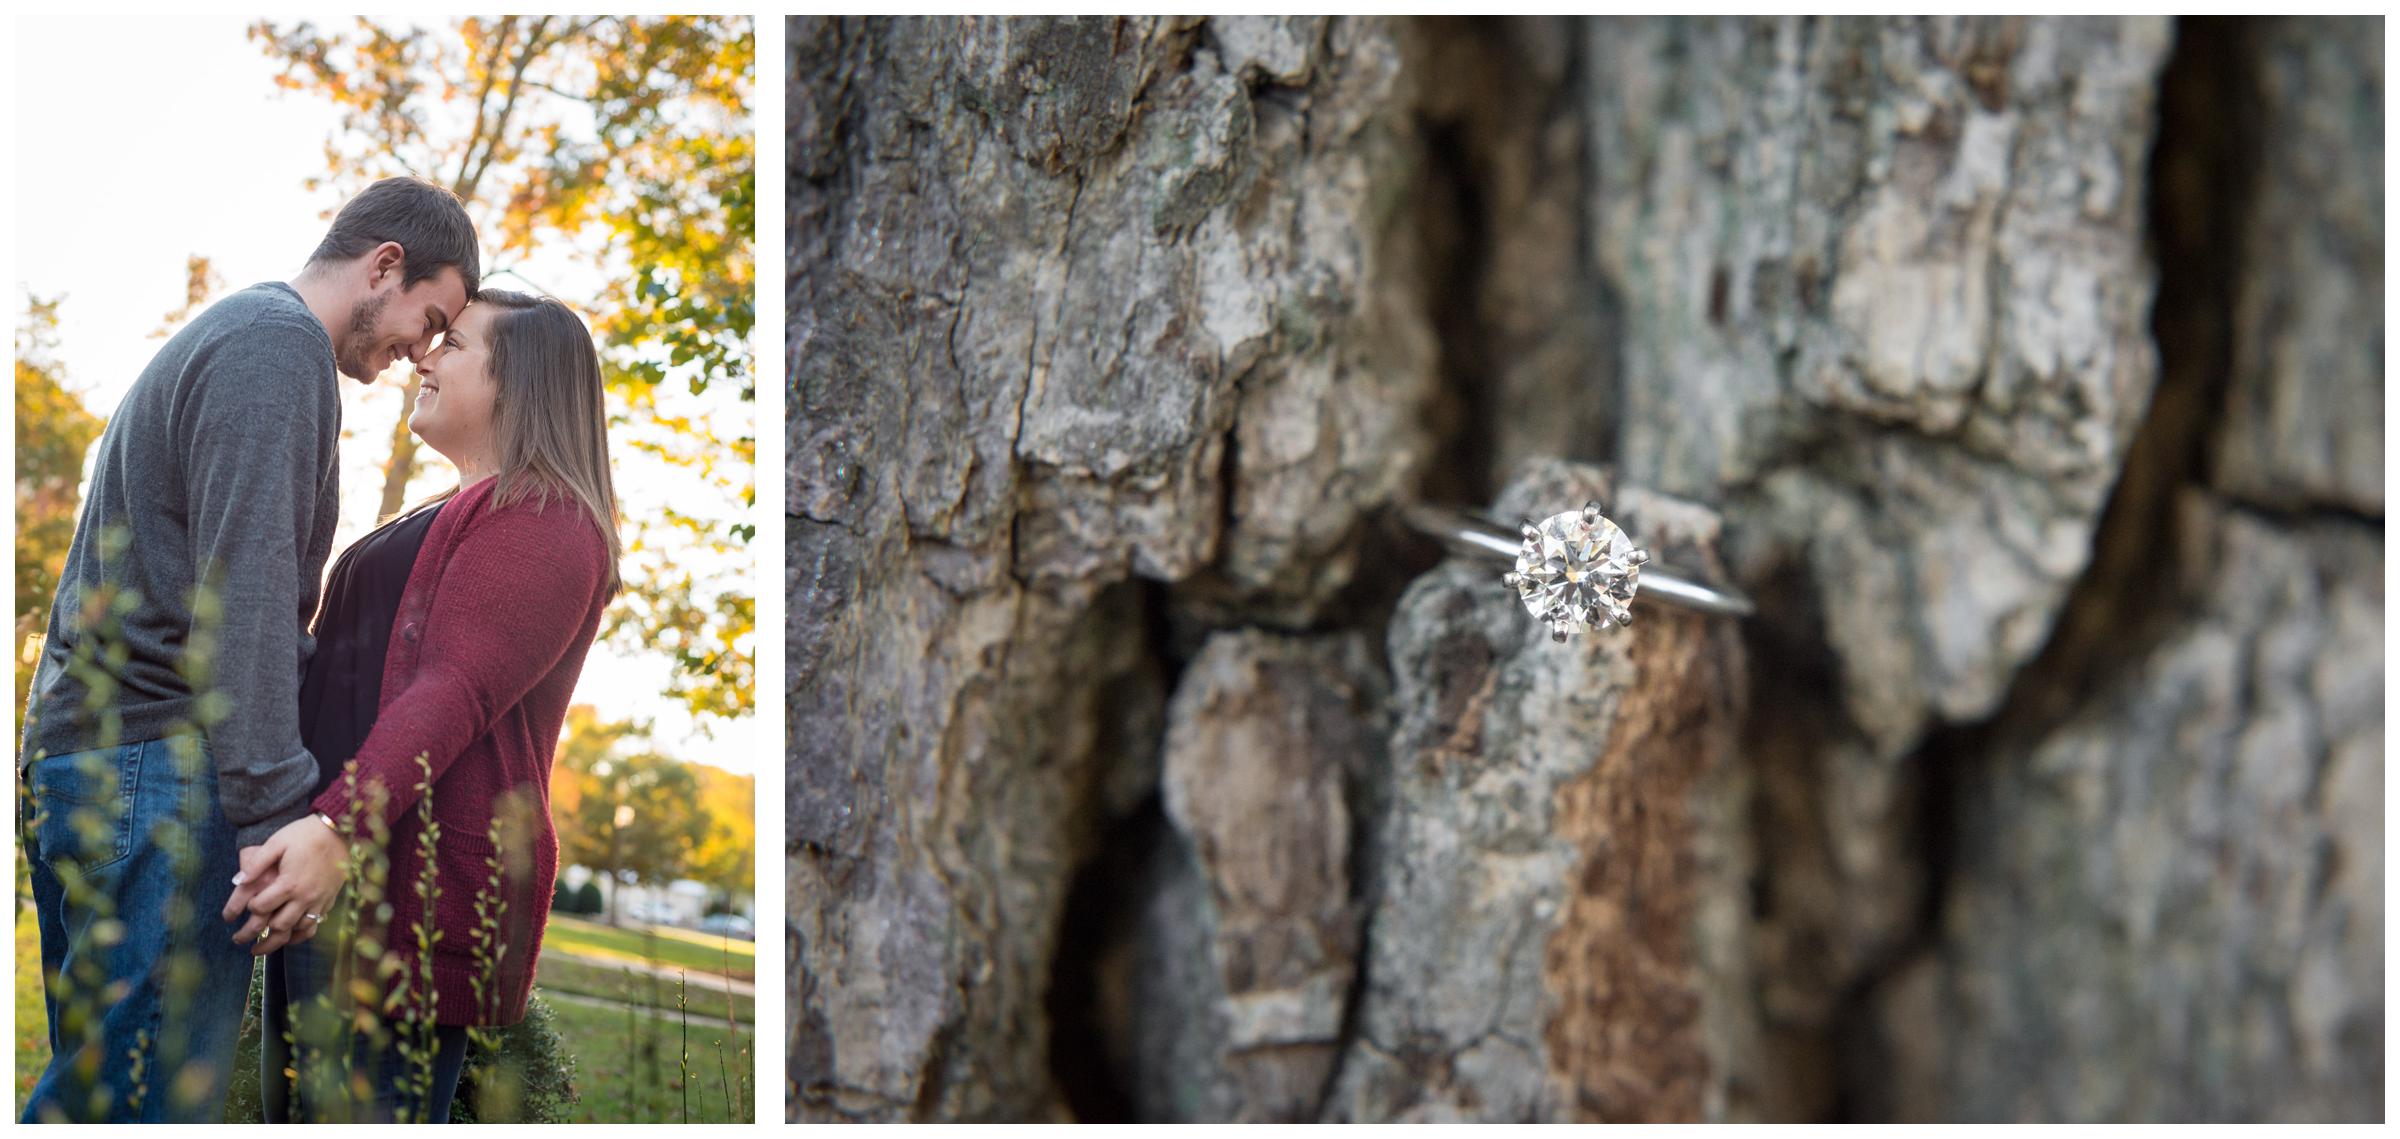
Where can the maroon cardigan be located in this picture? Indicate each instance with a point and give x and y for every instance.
(499, 611)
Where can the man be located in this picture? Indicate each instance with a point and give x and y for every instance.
(162, 743)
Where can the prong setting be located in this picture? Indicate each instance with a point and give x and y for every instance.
(1576, 570)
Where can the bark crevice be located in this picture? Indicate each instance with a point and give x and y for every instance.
(2115, 612)
(2181, 534)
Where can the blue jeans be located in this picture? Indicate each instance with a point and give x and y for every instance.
(131, 860)
(304, 1008)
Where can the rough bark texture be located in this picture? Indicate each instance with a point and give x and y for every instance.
(1074, 302)
(2169, 907)
(1544, 863)
(2303, 418)
(1885, 297)
(2166, 894)
(1249, 944)
(1885, 292)
(2027, 370)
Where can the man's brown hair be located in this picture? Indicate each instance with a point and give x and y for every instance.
(429, 223)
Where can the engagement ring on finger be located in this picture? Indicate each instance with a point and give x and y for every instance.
(312, 917)
(1577, 570)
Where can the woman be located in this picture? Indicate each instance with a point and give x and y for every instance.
(449, 643)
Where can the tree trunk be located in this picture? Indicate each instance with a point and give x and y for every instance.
(1142, 765)
(2168, 868)
(401, 465)
(615, 881)
(1062, 332)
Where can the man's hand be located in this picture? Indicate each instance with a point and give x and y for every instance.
(257, 871)
(308, 865)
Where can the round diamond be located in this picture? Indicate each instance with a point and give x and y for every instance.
(1577, 570)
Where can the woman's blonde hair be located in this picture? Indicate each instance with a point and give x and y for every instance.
(549, 421)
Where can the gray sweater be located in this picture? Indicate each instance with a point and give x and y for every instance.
(217, 469)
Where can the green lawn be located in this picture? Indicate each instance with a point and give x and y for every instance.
(626, 1066)
(674, 948)
(563, 974)
(33, 1026)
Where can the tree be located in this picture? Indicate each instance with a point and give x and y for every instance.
(726, 857)
(54, 431)
(1183, 782)
(623, 811)
(626, 140)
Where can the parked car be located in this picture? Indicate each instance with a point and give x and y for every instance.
(729, 925)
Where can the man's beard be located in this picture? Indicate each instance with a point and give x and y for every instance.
(355, 355)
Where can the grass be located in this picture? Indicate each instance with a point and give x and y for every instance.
(626, 1065)
(33, 1025)
(675, 948)
(620, 1079)
(561, 974)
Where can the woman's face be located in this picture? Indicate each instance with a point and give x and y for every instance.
(456, 392)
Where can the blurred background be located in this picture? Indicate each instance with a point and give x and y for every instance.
(607, 161)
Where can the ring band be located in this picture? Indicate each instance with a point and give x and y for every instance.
(312, 917)
(1606, 574)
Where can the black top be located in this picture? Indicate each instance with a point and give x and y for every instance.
(344, 682)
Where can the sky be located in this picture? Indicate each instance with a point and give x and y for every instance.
(113, 196)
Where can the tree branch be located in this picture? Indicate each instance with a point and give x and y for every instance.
(534, 46)
(491, 68)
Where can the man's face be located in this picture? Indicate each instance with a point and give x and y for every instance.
(395, 323)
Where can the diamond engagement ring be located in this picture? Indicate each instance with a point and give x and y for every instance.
(1577, 570)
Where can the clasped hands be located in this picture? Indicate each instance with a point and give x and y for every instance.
(286, 885)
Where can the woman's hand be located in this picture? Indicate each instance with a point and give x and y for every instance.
(302, 868)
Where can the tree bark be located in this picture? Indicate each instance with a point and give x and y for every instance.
(1885, 298)
(1247, 951)
(2170, 875)
(1551, 852)
(2026, 370)
(1076, 304)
